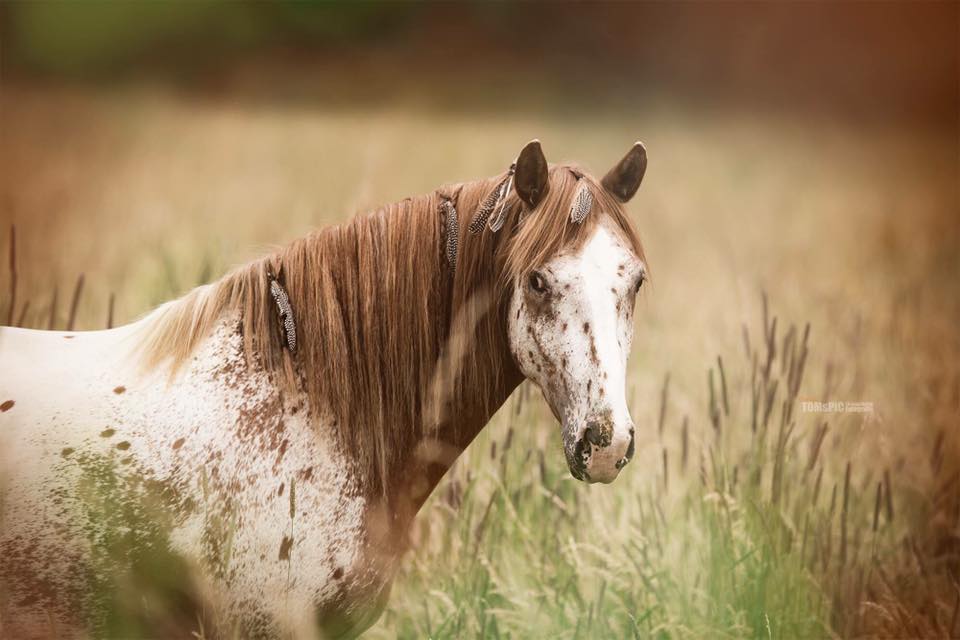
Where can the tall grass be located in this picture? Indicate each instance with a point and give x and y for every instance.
(752, 535)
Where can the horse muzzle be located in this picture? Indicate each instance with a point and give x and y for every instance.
(598, 450)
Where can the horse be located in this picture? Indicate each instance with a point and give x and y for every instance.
(248, 459)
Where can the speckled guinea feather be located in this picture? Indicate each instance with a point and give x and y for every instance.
(493, 200)
(582, 203)
(486, 208)
(451, 231)
(285, 312)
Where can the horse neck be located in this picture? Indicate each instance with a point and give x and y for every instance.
(474, 400)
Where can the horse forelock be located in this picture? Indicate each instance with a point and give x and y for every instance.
(378, 305)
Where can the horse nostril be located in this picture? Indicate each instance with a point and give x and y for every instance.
(598, 433)
(589, 435)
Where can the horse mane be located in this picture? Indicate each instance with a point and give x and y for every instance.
(392, 341)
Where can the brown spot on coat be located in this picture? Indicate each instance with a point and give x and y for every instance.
(285, 546)
(119, 390)
(68, 337)
(7, 405)
(280, 490)
(586, 327)
(123, 446)
(106, 433)
(178, 443)
(338, 573)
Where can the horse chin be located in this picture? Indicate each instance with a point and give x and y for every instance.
(583, 475)
(606, 478)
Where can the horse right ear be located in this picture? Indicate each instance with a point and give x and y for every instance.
(530, 178)
(624, 179)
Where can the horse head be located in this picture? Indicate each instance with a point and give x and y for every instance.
(570, 311)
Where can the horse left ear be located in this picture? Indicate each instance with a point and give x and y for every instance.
(624, 179)
(531, 176)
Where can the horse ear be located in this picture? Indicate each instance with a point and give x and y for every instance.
(624, 179)
(530, 178)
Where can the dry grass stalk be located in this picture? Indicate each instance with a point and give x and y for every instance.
(788, 349)
(723, 387)
(888, 494)
(664, 393)
(816, 488)
(13, 274)
(771, 348)
(936, 455)
(754, 397)
(783, 438)
(803, 542)
(703, 469)
(52, 319)
(876, 506)
(843, 517)
(666, 472)
(816, 445)
(713, 409)
(74, 303)
(110, 305)
(684, 442)
(795, 373)
(768, 405)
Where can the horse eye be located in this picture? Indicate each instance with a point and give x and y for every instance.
(640, 283)
(537, 282)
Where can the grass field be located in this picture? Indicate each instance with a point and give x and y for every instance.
(793, 261)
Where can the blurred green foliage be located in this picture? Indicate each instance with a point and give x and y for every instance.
(97, 38)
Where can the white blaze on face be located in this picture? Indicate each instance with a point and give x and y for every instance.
(571, 327)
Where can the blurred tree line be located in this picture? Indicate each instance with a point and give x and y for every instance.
(89, 39)
(886, 60)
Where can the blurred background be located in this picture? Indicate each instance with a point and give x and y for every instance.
(810, 151)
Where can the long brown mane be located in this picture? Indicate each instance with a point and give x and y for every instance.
(377, 309)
